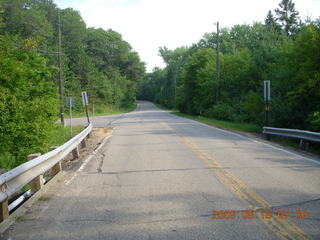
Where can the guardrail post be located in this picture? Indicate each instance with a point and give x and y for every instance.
(304, 144)
(89, 135)
(268, 137)
(37, 183)
(83, 143)
(4, 210)
(57, 167)
(75, 152)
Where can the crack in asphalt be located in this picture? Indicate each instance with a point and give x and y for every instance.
(297, 203)
(152, 170)
(102, 156)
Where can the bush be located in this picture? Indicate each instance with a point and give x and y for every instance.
(221, 111)
(28, 101)
(314, 120)
(7, 161)
(252, 109)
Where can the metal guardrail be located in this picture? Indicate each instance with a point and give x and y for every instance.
(14, 180)
(304, 136)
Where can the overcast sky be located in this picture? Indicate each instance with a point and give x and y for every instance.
(149, 24)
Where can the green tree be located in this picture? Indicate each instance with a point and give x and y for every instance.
(115, 59)
(288, 16)
(27, 18)
(198, 82)
(304, 96)
(29, 100)
(174, 60)
(271, 22)
(249, 55)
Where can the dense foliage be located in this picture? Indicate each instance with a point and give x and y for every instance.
(94, 60)
(284, 50)
(28, 101)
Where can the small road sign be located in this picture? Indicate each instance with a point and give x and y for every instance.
(85, 100)
(267, 98)
(267, 88)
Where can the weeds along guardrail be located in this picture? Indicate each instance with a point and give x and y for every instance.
(304, 136)
(32, 171)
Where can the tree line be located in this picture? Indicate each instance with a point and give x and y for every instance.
(94, 60)
(284, 49)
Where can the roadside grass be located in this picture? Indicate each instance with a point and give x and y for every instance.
(44, 198)
(20, 219)
(100, 110)
(58, 136)
(314, 148)
(245, 127)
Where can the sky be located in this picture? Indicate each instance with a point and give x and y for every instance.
(150, 24)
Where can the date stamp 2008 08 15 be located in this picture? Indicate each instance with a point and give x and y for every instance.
(251, 214)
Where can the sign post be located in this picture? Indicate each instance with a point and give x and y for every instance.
(85, 102)
(93, 102)
(267, 98)
(70, 105)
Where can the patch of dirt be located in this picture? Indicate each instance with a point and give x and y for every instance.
(92, 143)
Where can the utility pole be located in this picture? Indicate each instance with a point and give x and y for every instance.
(115, 91)
(218, 64)
(60, 72)
(175, 84)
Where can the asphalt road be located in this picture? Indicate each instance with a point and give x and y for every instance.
(164, 177)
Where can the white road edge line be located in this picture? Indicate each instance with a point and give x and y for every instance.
(250, 139)
(85, 162)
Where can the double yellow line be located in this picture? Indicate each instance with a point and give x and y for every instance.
(283, 228)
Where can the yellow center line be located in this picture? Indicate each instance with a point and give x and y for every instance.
(283, 228)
